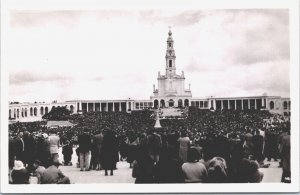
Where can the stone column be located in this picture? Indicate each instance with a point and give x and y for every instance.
(120, 105)
(94, 106)
(113, 109)
(235, 104)
(87, 107)
(100, 109)
(222, 106)
(106, 107)
(255, 104)
(242, 104)
(228, 104)
(249, 104)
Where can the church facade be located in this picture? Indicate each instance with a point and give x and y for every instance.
(171, 91)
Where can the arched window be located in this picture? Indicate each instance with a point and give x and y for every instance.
(31, 111)
(162, 103)
(285, 105)
(42, 110)
(170, 63)
(25, 112)
(171, 102)
(289, 105)
(155, 104)
(186, 102)
(46, 110)
(9, 115)
(35, 111)
(271, 105)
(180, 103)
(18, 113)
(72, 108)
(22, 112)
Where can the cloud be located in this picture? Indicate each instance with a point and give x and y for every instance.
(183, 18)
(238, 37)
(117, 53)
(22, 78)
(27, 19)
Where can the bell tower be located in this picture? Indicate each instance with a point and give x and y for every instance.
(170, 56)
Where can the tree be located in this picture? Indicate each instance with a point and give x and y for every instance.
(58, 114)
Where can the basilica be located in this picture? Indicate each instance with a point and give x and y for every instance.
(171, 92)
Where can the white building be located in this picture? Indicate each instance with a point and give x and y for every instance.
(171, 87)
(171, 92)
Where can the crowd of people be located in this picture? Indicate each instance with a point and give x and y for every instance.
(204, 146)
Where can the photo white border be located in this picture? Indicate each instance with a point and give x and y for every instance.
(292, 5)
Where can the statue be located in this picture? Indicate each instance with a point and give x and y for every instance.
(157, 122)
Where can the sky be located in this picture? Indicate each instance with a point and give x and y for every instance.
(116, 54)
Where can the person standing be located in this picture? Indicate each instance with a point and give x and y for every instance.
(109, 157)
(11, 152)
(54, 145)
(84, 142)
(258, 142)
(19, 147)
(154, 145)
(184, 145)
(98, 139)
(29, 150)
(67, 151)
(286, 157)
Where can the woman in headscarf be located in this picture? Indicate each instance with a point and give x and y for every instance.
(217, 171)
(19, 174)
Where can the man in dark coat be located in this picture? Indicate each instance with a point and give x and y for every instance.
(271, 146)
(258, 142)
(286, 158)
(29, 150)
(11, 151)
(19, 147)
(154, 145)
(67, 151)
(109, 156)
(98, 139)
(84, 142)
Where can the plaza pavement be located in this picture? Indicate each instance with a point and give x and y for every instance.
(123, 173)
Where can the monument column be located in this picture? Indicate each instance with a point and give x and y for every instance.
(235, 104)
(249, 104)
(222, 106)
(242, 104)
